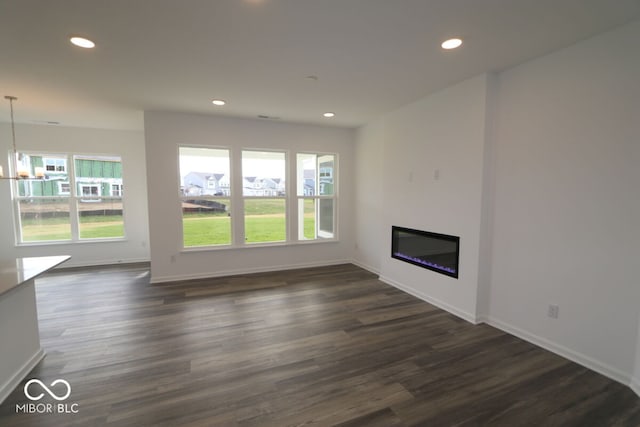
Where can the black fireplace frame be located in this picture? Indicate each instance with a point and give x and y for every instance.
(431, 235)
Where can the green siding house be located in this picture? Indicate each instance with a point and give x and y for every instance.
(49, 176)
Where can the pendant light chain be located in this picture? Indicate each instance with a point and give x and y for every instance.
(13, 126)
(14, 157)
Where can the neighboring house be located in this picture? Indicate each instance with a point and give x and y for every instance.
(224, 184)
(309, 179)
(206, 184)
(95, 177)
(259, 186)
(326, 177)
(280, 187)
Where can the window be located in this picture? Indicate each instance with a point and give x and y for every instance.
(64, 188)
(264, 196)
(261, 198)
(100, 214)
(55, 164)
(205, 189)
(116, 190)
(89, 190)
(68, 205)
(316, 196)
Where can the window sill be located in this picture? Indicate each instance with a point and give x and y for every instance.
(257, 245)
(71, 242)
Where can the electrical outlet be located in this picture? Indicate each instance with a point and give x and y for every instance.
(553, 311)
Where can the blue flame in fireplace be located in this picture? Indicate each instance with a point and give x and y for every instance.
(425, 262)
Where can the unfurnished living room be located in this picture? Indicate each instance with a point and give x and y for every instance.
(319, 212)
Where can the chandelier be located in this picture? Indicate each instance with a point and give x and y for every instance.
(21, 173)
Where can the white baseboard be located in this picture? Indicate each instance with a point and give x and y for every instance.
(13, 382)
(440, 304)
(223, 273)
(579, 358)
(365, 267)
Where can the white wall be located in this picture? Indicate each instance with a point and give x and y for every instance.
(538, 175)
(164, 132)
(371, 242)
(486, 210)
(567, 207)
(441, 134)
(127, 144)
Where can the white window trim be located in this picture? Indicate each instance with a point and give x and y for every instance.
(55, 160)
(60, 191)
(321, 236)
(90, 198)
(266, 195)
(116, 189)
(227, 195)
(234, 193)
(73, 199)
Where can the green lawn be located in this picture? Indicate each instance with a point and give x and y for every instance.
(103, 231)
(43, 232)
(264, 206)
(204, 230)
(264, 222)
(217, 231)
(59, 228)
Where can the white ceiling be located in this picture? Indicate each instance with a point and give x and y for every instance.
(370, 56)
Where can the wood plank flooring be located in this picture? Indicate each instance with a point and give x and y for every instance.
(322, 346)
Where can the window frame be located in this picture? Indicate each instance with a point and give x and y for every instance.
(116, 190)
(72, 197)
(53, 160)
(285, 197)
(234, 193)
(65, 184)
(89, 197)
(301, 196)
(228, 194)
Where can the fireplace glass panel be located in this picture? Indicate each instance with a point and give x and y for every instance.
(433, 251)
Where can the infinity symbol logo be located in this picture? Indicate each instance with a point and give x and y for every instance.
(52, 394)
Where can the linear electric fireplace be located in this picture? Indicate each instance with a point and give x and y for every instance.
(437, 252)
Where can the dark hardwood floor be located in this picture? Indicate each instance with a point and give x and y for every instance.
(321, 346)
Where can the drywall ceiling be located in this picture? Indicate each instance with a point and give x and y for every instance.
(369, 56)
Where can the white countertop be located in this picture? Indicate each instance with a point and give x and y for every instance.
(14, 272)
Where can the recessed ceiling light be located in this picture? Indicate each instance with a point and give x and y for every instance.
(219, 102)
(329, 114)
(451, 43)
(82, 42)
